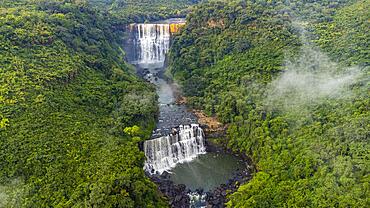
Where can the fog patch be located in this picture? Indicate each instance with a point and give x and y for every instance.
(11, 193)
(3, 196)
(309, 80)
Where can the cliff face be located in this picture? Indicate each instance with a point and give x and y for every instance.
(176, 27)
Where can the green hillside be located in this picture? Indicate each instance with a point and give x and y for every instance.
(144, 10)
(300, 112)
(66, 102)
(290, 79)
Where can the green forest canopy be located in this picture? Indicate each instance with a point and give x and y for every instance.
(144, 10)
(67, 101)
(72, 111)
(303, 117)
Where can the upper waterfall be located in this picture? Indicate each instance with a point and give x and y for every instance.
(149, 42)
(153, 41)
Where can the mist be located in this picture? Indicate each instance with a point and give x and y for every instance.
(310, 80)
(12, 193)
(3, 196)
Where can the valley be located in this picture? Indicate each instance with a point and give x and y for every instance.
(184, 103)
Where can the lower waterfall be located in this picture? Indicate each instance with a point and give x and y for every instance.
(184, 144)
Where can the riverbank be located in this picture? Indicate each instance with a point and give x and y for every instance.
(216, 141)
(218, 196)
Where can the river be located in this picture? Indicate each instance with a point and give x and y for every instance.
(178, 143)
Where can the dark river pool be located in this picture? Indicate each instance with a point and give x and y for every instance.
(206, 171)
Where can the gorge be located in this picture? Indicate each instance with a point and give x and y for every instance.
(177, 148)
(109, 103)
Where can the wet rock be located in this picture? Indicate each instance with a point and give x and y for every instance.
(178, 198)
(181, 188)
(223, 193)
(165, 175)
(199, 191)
(218, 196)
(177, 194)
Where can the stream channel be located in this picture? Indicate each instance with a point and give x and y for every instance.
(177, 147)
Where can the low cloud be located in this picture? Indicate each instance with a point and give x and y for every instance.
(309, 80)
(12, 193)
(3, 197)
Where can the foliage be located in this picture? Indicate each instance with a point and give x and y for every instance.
(345, 37)
(229, 59)
(72, 112)
(66, 97)
(129, 11)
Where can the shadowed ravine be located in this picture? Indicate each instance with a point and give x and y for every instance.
(178, 145)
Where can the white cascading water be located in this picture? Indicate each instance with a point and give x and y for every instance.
(165, 152)
(153, 41)
(197, 200)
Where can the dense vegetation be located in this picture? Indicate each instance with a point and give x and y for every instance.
(302, 116)
(72, 112)
(144, 10)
